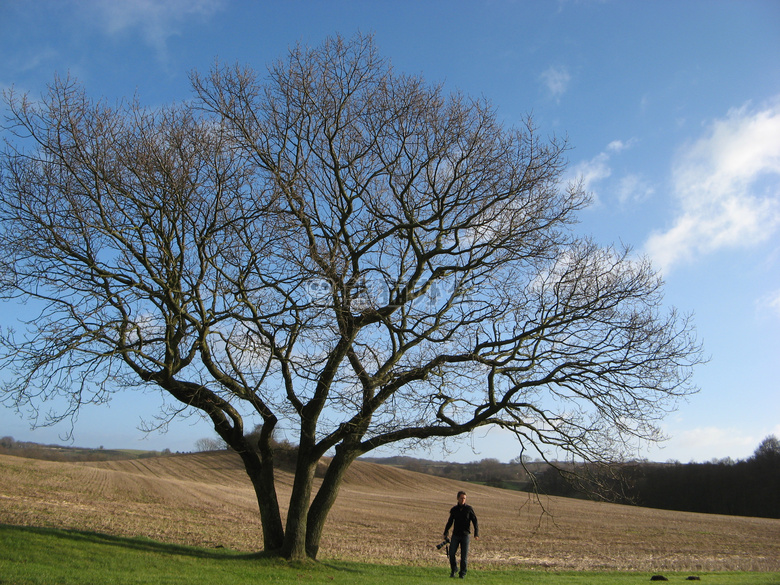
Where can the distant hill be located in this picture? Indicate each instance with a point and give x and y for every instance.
(8, 446)
(741, 488)
(748, 487)
(383, 514)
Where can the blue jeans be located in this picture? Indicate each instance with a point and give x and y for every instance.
(462, 541)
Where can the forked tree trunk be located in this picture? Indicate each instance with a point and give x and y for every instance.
(294, 547)
(262, 477)
(326, 496)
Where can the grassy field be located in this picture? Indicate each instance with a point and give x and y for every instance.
(384, 516)
(40, 556)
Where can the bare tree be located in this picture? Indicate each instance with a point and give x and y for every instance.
(335, 245)
(768, 449)
(209, 444)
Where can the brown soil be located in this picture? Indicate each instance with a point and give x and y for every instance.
(382, 514)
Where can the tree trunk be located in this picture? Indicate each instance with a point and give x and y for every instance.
(262, 476)
(326, 496)
(294, 547)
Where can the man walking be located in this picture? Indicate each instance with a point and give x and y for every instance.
(461, 517)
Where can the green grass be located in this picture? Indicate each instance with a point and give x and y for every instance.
(43, 556)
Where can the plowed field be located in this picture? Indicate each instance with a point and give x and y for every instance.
(382, 514)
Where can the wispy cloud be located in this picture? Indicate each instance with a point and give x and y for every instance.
(556, 79)
(593, 171)
(770, 303)
(727, 188)
(705, 443)
(156, 21)
(28, 59)
(634, 188)
(620, 145)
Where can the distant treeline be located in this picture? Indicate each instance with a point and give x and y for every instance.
(8, 446)
(487, 471)
(748, 487)
(744, 488)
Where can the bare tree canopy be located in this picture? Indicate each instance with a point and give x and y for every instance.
(334, 244)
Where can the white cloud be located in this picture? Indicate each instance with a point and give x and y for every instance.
(595, 170)
(619, 146)
(157, 21)
(634, 188)
(727, 188)
(592, 171)
(557, 80)
(770, 302)
(29, 59)
(707, 443)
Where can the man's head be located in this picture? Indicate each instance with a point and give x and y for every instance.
(461, 498)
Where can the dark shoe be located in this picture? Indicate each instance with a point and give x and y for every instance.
(462, 575)
(452, 575)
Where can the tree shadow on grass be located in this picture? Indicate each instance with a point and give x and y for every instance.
(136, 543)
(49, 536)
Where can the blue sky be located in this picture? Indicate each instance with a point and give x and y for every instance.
(671, 109)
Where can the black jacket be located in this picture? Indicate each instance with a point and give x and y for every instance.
(461, 517)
